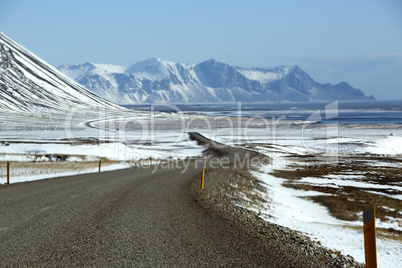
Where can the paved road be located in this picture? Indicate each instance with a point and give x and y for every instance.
(131, 217)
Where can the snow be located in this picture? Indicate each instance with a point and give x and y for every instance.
(262, 76)
(26, 140)
(152, 69)
(168, 140)
(289, 209)
(391, 145)
(39, 88)
(347, 180)
(78, 70)
(135, 80)
(109, 68)
(51, 175)
(31, 153)
(162, 137)
(165, 145)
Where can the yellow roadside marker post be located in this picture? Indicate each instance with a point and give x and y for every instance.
(202, 179)
(370, 249)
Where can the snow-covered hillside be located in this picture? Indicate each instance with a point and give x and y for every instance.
(28, 85)
(156, 80)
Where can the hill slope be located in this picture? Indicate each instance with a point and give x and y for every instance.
(28, 85)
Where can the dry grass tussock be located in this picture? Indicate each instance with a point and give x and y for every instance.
(349, 202)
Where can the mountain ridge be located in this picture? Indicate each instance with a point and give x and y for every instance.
(30, 85)
(157, 80)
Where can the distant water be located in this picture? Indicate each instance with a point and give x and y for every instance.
(370, 112)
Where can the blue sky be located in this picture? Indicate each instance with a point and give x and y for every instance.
(355, 41)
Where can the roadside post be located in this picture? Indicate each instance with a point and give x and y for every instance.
(202, 179)
(8, 172)
(370, 249)
(100, 163)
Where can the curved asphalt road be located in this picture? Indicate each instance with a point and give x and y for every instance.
(129, 217)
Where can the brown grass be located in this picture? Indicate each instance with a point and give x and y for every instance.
(347, 202)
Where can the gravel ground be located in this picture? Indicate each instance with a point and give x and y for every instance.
(222, 195)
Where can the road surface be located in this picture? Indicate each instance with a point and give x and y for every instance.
(132, 217)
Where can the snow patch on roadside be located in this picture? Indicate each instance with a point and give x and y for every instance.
(288, 208)
(27, 178)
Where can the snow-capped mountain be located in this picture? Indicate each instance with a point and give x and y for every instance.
(31, 86)
(156, 80)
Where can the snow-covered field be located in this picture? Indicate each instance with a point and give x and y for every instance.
(135, 136)
(288, 207)
(117, 142)
(373, 148)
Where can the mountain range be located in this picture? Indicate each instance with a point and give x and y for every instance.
(155, 80)
(31, 86)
